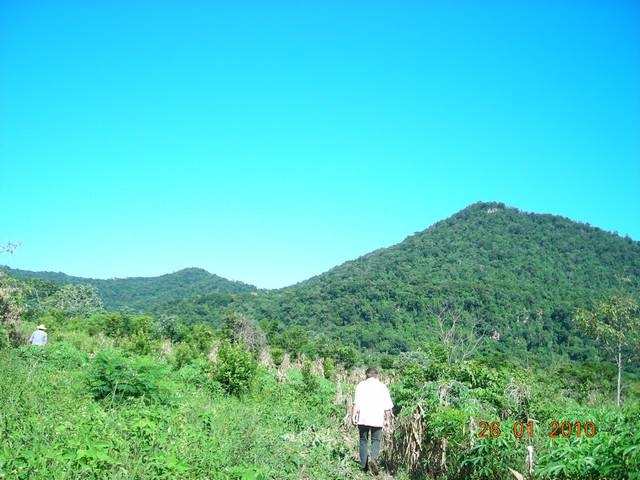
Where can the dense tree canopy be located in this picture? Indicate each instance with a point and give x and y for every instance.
(143, 293)
(517, 277)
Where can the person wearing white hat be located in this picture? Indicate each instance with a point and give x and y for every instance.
(39, 337)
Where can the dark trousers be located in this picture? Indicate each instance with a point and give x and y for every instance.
(376, 433)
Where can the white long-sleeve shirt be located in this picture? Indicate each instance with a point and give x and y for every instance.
(39, 337)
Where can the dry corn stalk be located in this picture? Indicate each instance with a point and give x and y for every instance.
(443, 394)
(213, 353)
(167, 347)
(348, 410)
(339, 395)
(530, 460)
(317, 367)
(286, 361)
(415, 434)
(473, 430)
(299, 362)
(265, 359)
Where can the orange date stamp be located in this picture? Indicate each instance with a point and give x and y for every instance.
(527, 429)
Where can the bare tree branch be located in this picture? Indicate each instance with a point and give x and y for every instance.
(9, 247)
(458, 334)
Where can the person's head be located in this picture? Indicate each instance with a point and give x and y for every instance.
(372, 372)
(41, 327)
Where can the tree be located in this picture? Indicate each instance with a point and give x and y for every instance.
(9, 247)
(614, 323)
(201, 337)
(235, 368)
(293, 340)
(37, 293)
(75, 300)
(169, 327)
(240, 328)
(457, 334)
(10, 309)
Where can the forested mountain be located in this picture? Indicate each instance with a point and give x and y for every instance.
(519, 276)
(114, 379)
(514, 278)
(143, 293)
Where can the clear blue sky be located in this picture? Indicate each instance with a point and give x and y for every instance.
(270, 141)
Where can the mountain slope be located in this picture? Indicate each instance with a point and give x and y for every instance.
(143, 293)
(504, 266)
(519, 275)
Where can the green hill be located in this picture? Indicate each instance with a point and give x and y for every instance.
(518, 275)
(515, 277)
(143, 293)
(116, 394)
(103, 404)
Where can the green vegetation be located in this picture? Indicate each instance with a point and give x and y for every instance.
(517, 276)
(615, 324)
(57, 422)
(512, 278)
(469, 420)
(85, 406)
(235, 369)
(503, 337)
(138, 294)
(112, 376)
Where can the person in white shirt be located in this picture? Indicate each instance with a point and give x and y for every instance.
(39, 337)
(371, 412)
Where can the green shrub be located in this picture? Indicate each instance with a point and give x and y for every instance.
(235, 369)
(309, 381)
(387, 362)
(117, 324)
(144, 324)
(201, 338)
(4, 337)
(92, 325)
(329, 369)
(199, 373)
(277, 355)
(114, 376)
(64, 355)
(141, 343)
(346, 355)
(183, 354)
(169, 327)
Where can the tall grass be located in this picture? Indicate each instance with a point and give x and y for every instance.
(52, 427)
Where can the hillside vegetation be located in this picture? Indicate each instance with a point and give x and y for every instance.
(509, 340)
(112, 396)
(513, 277)
(140, 294)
